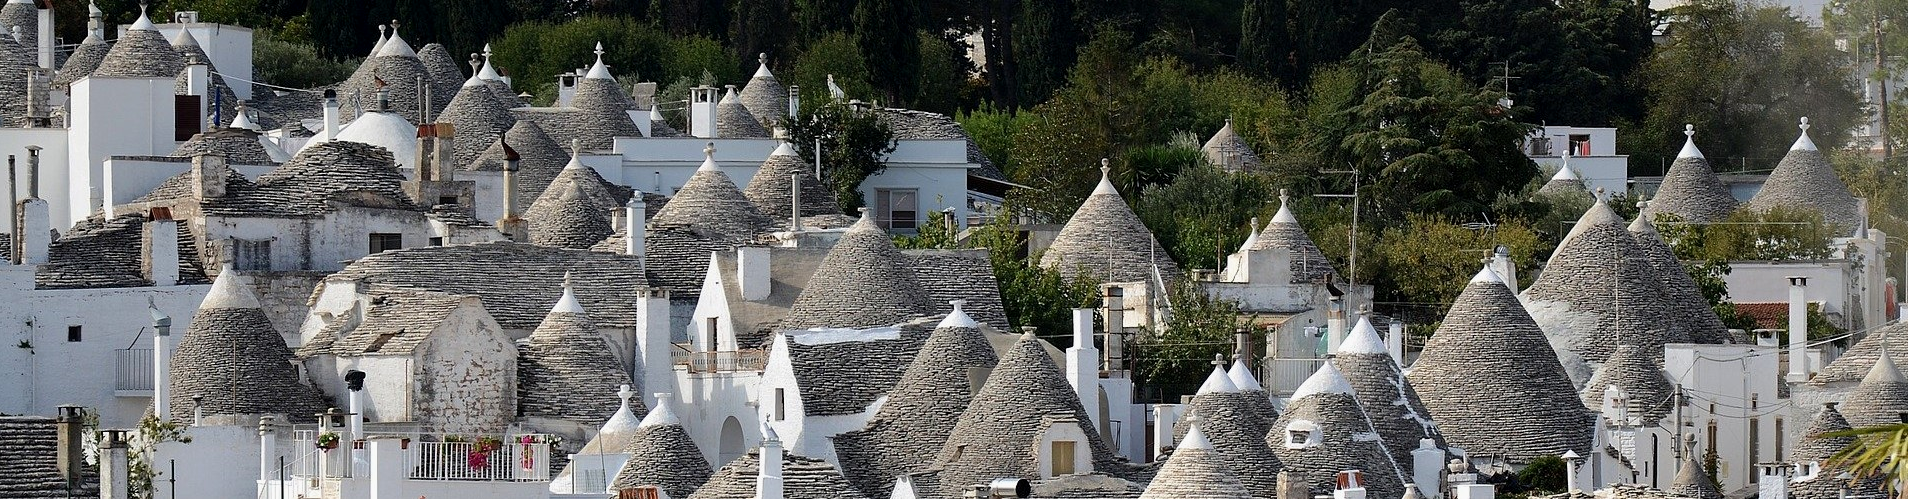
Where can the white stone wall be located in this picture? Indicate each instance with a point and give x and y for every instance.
(324, 244)
(54, 371)
(466, 376)
(53, 166)
(110, 117)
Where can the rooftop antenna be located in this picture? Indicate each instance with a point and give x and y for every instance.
(1506, 78)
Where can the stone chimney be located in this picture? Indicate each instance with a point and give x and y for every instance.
(208, 174)
(113, 466)
(35, 223)
(795, 202)
(1293, 484)
(635, 222)
(511, 225)
(702, 111)
(1395, 342)
(70, 424)
(653, 339)
(1798, 329)
(161, 245)
(1083, 362)
(33, 171)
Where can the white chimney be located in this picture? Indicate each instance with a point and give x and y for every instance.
(388, 467)
(1334, 324)
(114, 482)
(653, 339)
(45, 39)
(635, 220)
(1395, 342)
(36, 232)
(1774, 482)
(702, 111)
(1427, 468)
(1351, 485)
(162, 252)
(768, 482)
(1506, 270)
(1798, 329)
(1476, 491)
(1165, 417)
(795, 202)
(1083, 366)
(752, 269)
(198, 81)
(161, 365)
(331, 116)
(267, 448)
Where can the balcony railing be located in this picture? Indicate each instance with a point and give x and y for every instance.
(510, 458)
(132, 371)
(719, 362)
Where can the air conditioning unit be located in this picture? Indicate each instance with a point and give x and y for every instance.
(186, 17)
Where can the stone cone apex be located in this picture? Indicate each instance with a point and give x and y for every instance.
(395, 46)
(1342, 437)
(864, 281)
(909, 430)
(1691, 482)
(1599, 287)
(574, 211)
(233, 359)
(712, 203)
(142, 52)
(1691, 191)
(614, 437)
(764, 96)
(479, 118)
(1106, 241)
(958, 318)
(1228, 151)
(1196, 470)
(1218, 382)
(1309, 265)
(1805, 180)
(1242, 377)
(566, 365)
(542, 159)
(1689, 309)
(1488, 339)
(770, 189)
(662, 454)
(1565, 184)
(599, 71)
(997, 433)
(1632, 370)
(1880, 398)
(1394, 408)
(1235, 425)
(733, 120)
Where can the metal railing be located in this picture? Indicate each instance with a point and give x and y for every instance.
(713, 362)
(511, 458)
(132, 369)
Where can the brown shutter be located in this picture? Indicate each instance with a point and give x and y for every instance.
(185, 117)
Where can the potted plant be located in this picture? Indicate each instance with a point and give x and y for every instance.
(479, 457)
(327, 440)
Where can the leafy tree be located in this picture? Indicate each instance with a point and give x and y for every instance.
(993, 129)
(1204, 212)
(1880, 451)
(296, 65)
(1429, 258)
(1175, 361)
(855, 145)
(1743, 74)
(692, 17)
(819, 18)
(1262, 38)
(1032, 295)
(943, 75)
(760, 27)
(1545, 475)
(634, 51)
(833, 55)
(884, 29)
(1043, 44)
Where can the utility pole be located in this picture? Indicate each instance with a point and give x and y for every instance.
(1351, 275)
(1881, 78)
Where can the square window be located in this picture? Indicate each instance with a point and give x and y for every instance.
(1063, 454)
(381, 242)
(447, 200)
(73, 333)
(437, 241)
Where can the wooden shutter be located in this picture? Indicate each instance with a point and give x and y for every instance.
(185, 117)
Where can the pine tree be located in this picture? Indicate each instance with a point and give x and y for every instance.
(1261, 37)
(1044, 42)
(885, 31)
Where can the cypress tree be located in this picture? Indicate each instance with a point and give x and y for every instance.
(1044, 47)
(884, 29)
(1261, 38)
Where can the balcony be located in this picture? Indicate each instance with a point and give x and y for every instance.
(722, 362)
(132, 372)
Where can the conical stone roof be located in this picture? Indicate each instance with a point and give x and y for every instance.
(862, 282)
(1229, 152)
(1691, 190)
(1309, 265)
(1689, 310)
(602, 108)
(189, 53)
(566, 370)
(1881, 397)
(1106, 241)
(771, 187)
(1235, 430)
(239, 146)
(908, 431)
(445, 74)
(1816, 447)
(540, 158)
(479, 118)
(1565, 185)
(764, 96)
(397, 65)
(802, 478)
(996, 435)
(235, 361)
(1805, 180)
(574, 211)
(1261, 401)
(1396, 412)
(1197, 471)
(1342, 437)
(1488, 340)
(1691, 482)
(662, 454)
(16, 64)
(85, 58)
(710, 201)
(23, 15)
(1597, 288)
(1642, 381)
(733, 121)
(142, 52)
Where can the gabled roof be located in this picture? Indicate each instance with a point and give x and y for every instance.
(108, 253)
(1345, 438)
(772, 186)
(995, 436)
(1106, 241)
(516, 281)
(802, 478)
(1598, 287)
(1805, 180)
(1197, 470)
(662, 454)
(1396, 411)
(908, 431)
(1487, 339)
(1641, 379)
(236, 362)
(141, 53)
(863, 282)
(1229, 152)
(1688, 308)
(734, 121)
(1881, 397)
(1690, 189)
(480, 119)
(764, 96)
(567, 370)
(395, 323)
(239, 146)
(1860, 359)
(540, 157)
(1308, 263)
(315, 181)
(710, 201)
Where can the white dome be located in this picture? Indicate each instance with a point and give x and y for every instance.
(386, 130)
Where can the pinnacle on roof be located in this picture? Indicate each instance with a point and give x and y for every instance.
(1880, 398)
(384, 33)
(663, 413)
(958, 317)
(1691, 482)
(711, 202)
(1690, 189)
(395, 46)
(1643, 383)
(1308, 264)
(1689, 144)
(1802, 142)
(1242, 377)
(244, 119)
(1486, 275)
(1338, 436)
(1219, 381)
(1689, 308)
(1229, 152)
(228, 293)
(1805, 180)
(144, 23)
(541, 159)
(1106, 241)
(1363, 339)
(1488, 339)
(599, 71)
(733, 119)
(1025, 394)
(764, 96)
(771, 187)
(864, 281)
(1252, 235)
(184, 39)
(909, 429)
(234, 361)
(1196, 471)
(566, 366)
(662, 454)
(567, 303)
(1599, 287)
(488, 72)
(141, 52)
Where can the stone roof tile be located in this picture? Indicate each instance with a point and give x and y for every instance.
(1687, 305)
(1597, 287)
(1105, 240)
(771, 187)
(29, 458)
(711, 202)
(863, 282)
(567, 370)
(1640, 378)
(1343, 436)
(802, 478)
(1229, 152)
(515, 281)
(109, 253)
(1197, 470)
(1691, 190)
(906, 434)
(1309, 264)
(235, 362)
(664, 456)
(995, 436)
(1805, 180)
(141, 53)
(1395, 409)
